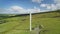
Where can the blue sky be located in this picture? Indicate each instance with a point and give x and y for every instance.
(40, 5)
(23, 3)
(8, 3)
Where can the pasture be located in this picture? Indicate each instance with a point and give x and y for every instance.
(20, 24)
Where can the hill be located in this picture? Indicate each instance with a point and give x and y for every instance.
(18, 24)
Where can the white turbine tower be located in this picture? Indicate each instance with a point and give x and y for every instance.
(30, 21)
(31, 18)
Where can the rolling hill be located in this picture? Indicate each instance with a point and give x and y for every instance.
(18, 24)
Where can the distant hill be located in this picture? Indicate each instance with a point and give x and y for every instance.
(52, 14)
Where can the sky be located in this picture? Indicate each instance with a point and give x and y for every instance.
(27, 6)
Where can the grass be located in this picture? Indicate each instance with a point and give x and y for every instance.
(20, 25)
(13, 25)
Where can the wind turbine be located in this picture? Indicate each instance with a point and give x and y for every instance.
(31, 19)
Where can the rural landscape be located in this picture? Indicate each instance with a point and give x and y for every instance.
(29, 16)
(19, 24)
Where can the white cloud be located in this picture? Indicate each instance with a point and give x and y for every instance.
(18, 10)
(34, 10)
(57, 1)
(52, 6)
(43, 5)
(58, 6)
(38, 1)
(13, 10)
(49, 6)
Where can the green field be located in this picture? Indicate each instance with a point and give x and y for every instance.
(20, 24)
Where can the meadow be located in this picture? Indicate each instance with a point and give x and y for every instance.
(20, 24)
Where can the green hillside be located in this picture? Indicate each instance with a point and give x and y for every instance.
(20, 24)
